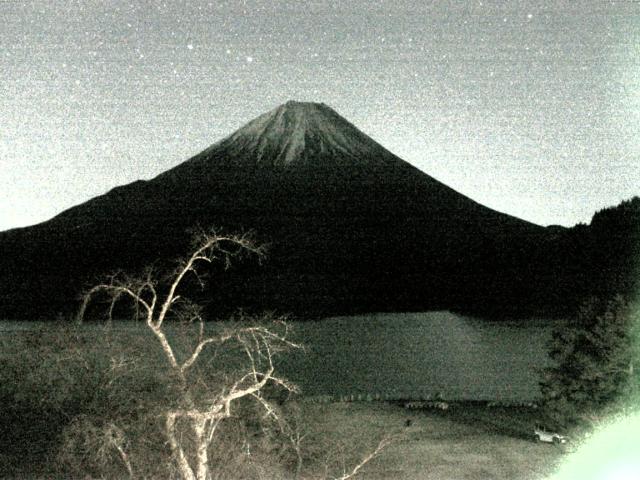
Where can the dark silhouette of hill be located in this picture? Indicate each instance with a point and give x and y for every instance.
(602, 259)
(351, 228)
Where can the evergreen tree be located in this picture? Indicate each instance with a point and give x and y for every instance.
(594, 362)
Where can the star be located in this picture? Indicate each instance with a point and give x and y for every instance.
(249, 59)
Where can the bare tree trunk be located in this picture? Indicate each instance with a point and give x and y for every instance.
(202, 456)
(166, 347)
(183, 464)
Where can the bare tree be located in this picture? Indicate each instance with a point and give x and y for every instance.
(191, 423)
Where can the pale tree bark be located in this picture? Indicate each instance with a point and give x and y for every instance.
(384, 443)
(114, 438)
(181, 459)
(259, 343)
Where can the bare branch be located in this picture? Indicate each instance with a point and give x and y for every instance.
(198, 350)
(166, 346)
(113, 290)
(250, 356)
(116, 439)
(114, 299)
(384, 443)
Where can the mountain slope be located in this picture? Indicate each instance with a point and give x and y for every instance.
(351, 227)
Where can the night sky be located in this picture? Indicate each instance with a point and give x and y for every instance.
(531, 108)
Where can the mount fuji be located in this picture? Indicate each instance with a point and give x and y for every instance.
(351, 228)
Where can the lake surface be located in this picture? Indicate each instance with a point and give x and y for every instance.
(408, 356)
(421, 356)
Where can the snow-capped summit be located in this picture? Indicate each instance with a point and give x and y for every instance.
(299, 133)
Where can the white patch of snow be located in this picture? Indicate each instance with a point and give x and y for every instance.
(301, 131)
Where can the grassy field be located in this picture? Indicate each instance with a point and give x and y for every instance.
(428, 445)
(465, 443)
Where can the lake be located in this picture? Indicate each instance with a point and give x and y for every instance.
(421, 356)
(413, 356)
